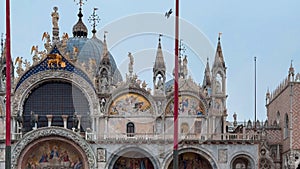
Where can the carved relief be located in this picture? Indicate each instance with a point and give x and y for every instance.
(223, 155)
(101, 155)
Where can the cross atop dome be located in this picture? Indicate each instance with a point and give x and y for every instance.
(94, 19)
(80, 3)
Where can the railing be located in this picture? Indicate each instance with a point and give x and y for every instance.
(239, 136)
(90, 135)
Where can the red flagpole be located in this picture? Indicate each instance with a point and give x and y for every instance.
(8, 90)
(175, 148)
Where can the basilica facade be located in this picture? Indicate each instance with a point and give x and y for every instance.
(71, 108)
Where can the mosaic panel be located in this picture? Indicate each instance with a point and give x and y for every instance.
(188, 105)
(130, 104)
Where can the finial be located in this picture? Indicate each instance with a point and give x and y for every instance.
(159, 38)
(268, 92)
(291, 69)
(80, 3)
(94, 19)
(105, 50)
(2, 46)
(130, 64)
(220, 34)
(104, 35)
(181, 48)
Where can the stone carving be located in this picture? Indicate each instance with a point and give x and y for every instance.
(19, 62)
(223, 155)
(2, 154)
(55, 17)
(130, 64)
(101, 155)
(47, 45)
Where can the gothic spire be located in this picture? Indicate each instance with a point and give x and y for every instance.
(105, 57)
(159, 71)
(219, 59)
(159, 60)
(206, 80)
(291, 72)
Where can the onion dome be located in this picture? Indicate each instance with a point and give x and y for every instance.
(79, 29)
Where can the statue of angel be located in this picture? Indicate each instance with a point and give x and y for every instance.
(27, 64)
(65, 38)
(47, 45)
(19, 61)
(35, 57)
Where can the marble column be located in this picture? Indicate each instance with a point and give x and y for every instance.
(65, 119)
(49, 117)
(79, 122)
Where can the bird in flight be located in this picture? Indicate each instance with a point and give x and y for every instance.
(168, 14)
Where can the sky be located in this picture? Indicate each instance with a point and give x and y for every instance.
(268, 30)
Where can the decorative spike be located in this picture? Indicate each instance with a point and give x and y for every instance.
(219, 59)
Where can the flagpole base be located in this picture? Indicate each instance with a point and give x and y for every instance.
(8, 157)
(175, 159)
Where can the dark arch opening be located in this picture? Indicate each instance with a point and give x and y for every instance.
(133, 159)
(190, 160)
(56, 99)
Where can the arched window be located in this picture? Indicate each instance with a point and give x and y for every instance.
(241, 163)
(58, 99)
(278, 117)
(286, 125)
(219, 83)
(130, 129)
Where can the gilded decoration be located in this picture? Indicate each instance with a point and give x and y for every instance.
(130, 104)
(51, 154)
(55, 59)
(66, 147)
(188, 105)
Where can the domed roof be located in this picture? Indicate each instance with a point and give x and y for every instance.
(92, 48)
(79, 29)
